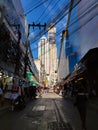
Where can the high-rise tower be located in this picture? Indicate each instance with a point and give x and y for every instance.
(53, 54)
(47, 55)
(41, 57)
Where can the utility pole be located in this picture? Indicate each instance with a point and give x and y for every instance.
(38, 25)
(27, 43)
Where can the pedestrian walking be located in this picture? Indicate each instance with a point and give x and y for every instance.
(81, 102)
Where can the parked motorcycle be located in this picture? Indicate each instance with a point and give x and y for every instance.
(19, 103)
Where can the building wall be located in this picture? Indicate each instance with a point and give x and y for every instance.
(42, 51)
(83, 27)
(13, 16)
(82, 31)
(47, 61)
(81, 37)
(62, 65)
(53, 55)
(42, 58)
(37, 64)
(47, 54)
(53, 62)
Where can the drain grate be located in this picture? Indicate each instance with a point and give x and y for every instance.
(59, 126)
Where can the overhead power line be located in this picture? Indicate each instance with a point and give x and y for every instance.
(31, 4)
(57, 34)
(39, 34)
(37, 6)
(53, 7)
(43, 11)
(81, 15)
(55, 21)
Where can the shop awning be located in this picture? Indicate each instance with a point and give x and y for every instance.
(90, 57)
(31, 79)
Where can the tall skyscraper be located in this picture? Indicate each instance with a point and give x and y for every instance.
(41, 57)
(47, 55)
(53, 54)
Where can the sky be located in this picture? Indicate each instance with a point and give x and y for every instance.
(45, 11)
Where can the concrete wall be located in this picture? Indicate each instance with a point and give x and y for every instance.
(83, 27)
(83, 36)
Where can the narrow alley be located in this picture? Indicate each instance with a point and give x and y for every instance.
(51, 112)
(48, 64)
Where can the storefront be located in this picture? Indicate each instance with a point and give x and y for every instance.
(90, 60)
(6, 79)
(31, 79)
(87, 69)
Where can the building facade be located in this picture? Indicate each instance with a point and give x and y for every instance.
(53, 55)
(81, 32)
(42, 55)
(47, 56)
(63, 61)
(13, 38)
(81, 41)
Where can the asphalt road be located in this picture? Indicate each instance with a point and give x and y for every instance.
(50, 112)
